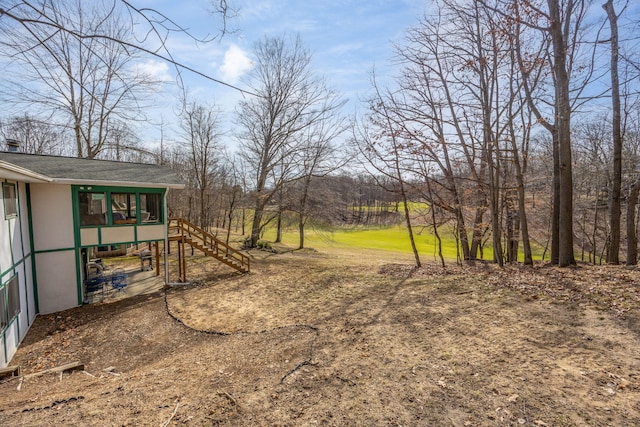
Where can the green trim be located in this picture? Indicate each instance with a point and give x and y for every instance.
(128, 242)
(46, 251)
(78, 256)
(4, 286)
(108, 191)
(23, 259)
(116, 189)
(7, 184)
(26, 292)
(15, 264)
(34, 276)
(75, 202)
(75, 211)
(10, 270)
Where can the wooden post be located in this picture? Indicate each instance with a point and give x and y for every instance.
(184, 263)
(157, 258)
(179, 260)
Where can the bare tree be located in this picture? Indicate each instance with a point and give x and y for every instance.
(232, 190)
(291, 99)
(559, 27)
(200, 127)
(39, 17)
(89, 84)
(613, 254)
(320, 158)
(35, 136)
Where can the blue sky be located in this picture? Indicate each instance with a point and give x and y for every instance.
(347, 38)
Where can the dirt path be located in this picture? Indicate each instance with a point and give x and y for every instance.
(325, 339)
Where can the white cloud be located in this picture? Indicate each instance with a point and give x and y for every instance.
(236, 64)
(156, 70)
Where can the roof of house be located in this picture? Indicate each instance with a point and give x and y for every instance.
(72, 170)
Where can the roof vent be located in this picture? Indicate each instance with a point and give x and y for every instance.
(12, 145)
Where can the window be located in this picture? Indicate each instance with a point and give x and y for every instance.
(10, 200)
(106, 206)
(123, 208)
(3, 310)
(150, 207)
(9, 302)
(13, 294)
(92, 208)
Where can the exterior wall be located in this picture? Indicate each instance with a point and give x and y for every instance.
(57, 281)
(151, 232)
(89, 237)
(16, 262)
(52, 217)
(118, 235)
(97, 236)
(54, 247)
(40, 248)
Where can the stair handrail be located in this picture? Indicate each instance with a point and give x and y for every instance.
(186, 226)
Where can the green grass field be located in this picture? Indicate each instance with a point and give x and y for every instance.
(395, 239)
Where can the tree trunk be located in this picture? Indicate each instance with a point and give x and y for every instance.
(407, 218)
(563, 126)
(279, 226)
(616, 189)
(555, 196)
(435, 225)
(301, 231)
(496, 232)
(524, 226)
(632, 232)
(462, 233)
(255, 226)
(478, 231)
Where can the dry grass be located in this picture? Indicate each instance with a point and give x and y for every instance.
(345, 338)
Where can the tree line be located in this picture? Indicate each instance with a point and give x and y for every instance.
(480, 83)
(514, 121)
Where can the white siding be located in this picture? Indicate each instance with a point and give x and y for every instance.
(117, 235)
(15, 259)
(52, 216)
(89, 236)
(16, 239)
(57, 289)
(11, 339)
(151, 232)
(28, 278)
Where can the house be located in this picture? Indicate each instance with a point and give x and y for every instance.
(54, 211)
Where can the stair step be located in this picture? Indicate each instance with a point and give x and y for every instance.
(199, 239)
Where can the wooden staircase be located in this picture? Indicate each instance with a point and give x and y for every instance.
(184, 232)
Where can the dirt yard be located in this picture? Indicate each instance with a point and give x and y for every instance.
(344, 339)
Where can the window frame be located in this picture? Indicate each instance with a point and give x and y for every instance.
(13, 300)
(104, 214)
(10, 307)
(130, 217)
(135, 194)
(148, 196)
(6, 196)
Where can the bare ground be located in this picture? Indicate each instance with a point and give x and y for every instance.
(345, 339)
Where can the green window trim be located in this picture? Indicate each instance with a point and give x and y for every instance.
(148, 202)
(10, 200)
(9, 302)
